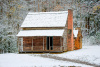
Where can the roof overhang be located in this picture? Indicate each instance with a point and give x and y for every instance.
(30, 33)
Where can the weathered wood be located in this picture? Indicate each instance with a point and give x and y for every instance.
(39, 44)
(43, 42)
(22, 44)
(61, 43)
(27, 43)
(18, 44)
(32, 43)
(56, 41)
(41, 28)
(78, 40)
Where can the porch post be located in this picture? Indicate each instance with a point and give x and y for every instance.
(61, 43)
(18, 44)
(43, 42)
(32, 43)
(22, 44)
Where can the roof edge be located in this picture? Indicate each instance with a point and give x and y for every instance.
(52, 12)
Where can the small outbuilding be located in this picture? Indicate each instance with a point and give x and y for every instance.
(78, 39)
(47, 32)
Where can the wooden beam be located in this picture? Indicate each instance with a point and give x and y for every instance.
(18, 44)
(32, 43)
(41, 28)
(21, 44)
(43, 42)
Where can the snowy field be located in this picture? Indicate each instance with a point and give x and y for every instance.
(26, 60)
(90, 54)
(87, 53)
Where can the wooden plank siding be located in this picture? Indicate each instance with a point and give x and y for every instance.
(27, 43)
(56, 43)
(39, 44)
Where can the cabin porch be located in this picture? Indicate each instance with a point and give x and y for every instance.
(41, 44)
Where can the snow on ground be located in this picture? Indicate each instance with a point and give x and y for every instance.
(89, 54)
(30, 60)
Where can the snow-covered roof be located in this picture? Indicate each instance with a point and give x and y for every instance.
(28, 33)
(75, 33)
(45, 19)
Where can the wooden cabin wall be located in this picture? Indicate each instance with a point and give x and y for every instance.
(39, 43)
(45, 43)
(27, 43)
(56, 43)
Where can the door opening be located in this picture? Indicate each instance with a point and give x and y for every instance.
(49, 43)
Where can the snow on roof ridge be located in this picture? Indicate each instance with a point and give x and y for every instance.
(53, 12)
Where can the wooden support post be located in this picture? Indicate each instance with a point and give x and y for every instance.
(43, 42)
(18, 44)
(32, 43)
(22, 43)
(61, 43)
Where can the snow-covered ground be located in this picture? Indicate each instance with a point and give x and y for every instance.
(29, 60)
(89, 54)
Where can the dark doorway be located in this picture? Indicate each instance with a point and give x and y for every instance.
(49, 43)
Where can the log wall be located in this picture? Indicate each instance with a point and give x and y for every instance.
(39, 43)
(27, 43)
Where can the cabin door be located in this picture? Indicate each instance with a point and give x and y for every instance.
(49, 43)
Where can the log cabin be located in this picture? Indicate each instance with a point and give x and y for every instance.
(47, 32)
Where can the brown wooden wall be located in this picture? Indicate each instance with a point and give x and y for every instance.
(56, 41)
(37, 43)
(27, 43)
(78, 40)
(45, 43)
